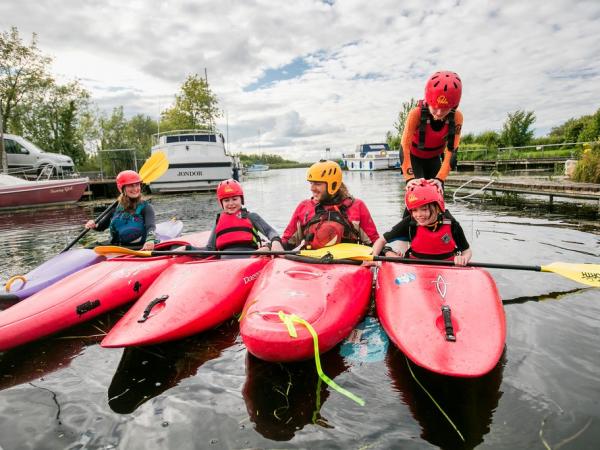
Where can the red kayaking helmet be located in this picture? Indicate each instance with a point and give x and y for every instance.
(326, 234)
(422, 194)
(127, 177)
(443, 90)
(229, 188)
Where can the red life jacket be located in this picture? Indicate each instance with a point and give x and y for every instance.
(330, 220)
(428, 243)
(235, 230)
(428, 143)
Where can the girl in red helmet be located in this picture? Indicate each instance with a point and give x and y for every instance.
(430, 230)
(432, 130)
(133, 222)
(236, 228)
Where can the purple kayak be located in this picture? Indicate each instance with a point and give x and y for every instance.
(22, 286)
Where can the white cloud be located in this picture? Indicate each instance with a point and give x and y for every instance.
(363, 62)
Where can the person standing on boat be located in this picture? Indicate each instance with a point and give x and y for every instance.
(236, 228)
(133, 221)
(430, 229)
(331, 215)
(432, 131)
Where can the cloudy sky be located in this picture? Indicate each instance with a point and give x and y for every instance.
(295, 77)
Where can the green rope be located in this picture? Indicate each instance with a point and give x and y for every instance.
(433, 400)
(288, 320)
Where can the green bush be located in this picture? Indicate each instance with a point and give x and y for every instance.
(588, 167)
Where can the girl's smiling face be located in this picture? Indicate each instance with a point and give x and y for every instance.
(232, 205)
(425, 215)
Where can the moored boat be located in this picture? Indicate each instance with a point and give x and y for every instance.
(368, 157)
(449, 320)
(198, 160)
(332, 298)
(16, 193)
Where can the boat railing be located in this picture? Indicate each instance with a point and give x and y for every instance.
(202, 130)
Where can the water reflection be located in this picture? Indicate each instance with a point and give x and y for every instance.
(282, 398)
(145, 372)
(469, 402)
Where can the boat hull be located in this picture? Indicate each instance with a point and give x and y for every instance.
(194, 297)
(331, 298)
(42, 193)
(409, 302)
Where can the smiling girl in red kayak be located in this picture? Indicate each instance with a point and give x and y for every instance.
(331, 215)
(236, 228)
(430, 229)
(432, 131)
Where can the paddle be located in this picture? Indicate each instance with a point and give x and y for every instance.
(588, 274)
(339, 251)
(152, 169)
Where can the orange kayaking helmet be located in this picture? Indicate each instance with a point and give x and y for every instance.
(127, 177)
(443, 90)
(328, 172)
(229, 188)
(423, 193)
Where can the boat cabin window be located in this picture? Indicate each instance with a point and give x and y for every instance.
(191, 137)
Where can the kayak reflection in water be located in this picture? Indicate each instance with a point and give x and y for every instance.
(430, 232)
(146, 372)
(469, 402)
(282, 398)
(236, 228)
(331, 215)
(132, 223)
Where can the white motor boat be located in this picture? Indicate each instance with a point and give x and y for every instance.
(198, 160)
(372, 157)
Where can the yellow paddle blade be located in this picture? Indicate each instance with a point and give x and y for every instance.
(342, 251)
(116, 250)
(154, 167)
(583, 273)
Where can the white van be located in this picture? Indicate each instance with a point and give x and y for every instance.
(23, 155)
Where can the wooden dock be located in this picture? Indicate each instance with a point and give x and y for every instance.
(551, 187)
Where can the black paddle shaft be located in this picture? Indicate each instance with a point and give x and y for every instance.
(434, 262)
(104, 213)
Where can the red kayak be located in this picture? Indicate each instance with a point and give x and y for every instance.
(449, 320)
(86, 294)
(187, 299)
(331, 298)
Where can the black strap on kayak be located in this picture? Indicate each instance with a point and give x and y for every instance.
(448, 324)
(87, 306)
(151, 305)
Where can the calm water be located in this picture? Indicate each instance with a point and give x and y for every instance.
(207, 392)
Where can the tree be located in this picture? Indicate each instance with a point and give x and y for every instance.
(591, 129)
(394, 138)
(516, 130)
(194, 107)
(139, 133)
(22, 73)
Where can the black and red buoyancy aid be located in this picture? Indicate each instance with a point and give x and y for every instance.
(235, 230)
(432, 242)
(323, 217)
(427, 142)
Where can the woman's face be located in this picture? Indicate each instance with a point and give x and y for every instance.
(439, 113)
(319, 190)
(232, 205)
(133, 190)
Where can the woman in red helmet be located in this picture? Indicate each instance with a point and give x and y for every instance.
(432, 130)
(236, 228)
(331, 215)
(430, 230)
(133, 222)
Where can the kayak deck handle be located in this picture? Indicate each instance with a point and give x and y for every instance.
(151, 305)
(87, 307)
(446, 313)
